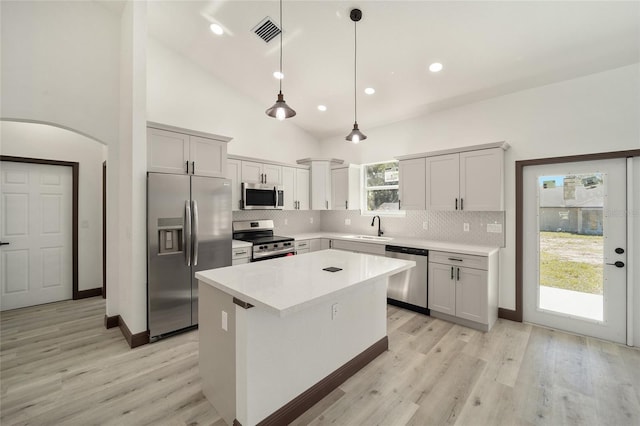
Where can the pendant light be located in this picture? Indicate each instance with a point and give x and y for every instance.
(356, 135)
(280, 109)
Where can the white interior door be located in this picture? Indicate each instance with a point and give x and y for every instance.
(36, 232)
(575, 224)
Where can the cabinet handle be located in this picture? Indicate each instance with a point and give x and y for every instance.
(187, 164)
(193, 167)
(330, 243)
(399, 204)
(461, 203)
(327, 203)
(458, 274)
(240, 252)
(454, 259)
(452, 272)
(456, 204)
(346, 204)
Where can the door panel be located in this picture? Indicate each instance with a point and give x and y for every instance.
(36, 206)
(213, 200)
(302, 188)
(574, 219)
(443, 181)
(442, 288)
(169, 285)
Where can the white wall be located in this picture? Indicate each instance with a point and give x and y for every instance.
(52, 143)
(184, 95)
(595, 113)
(60, 65)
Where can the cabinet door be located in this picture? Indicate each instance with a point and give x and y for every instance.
(413, 184)
(273, 174)
(443, 177)
(442, 288)
(289, 186)
(233, 173)
(340, 188)
(167, 152)
(208, 157)
(320, 185)
(316, 244)
(325, 243)
(481, 180)
(302, 188)
(471, 294)
(251, 172)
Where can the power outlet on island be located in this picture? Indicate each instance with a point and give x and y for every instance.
(334, 311)
(225, 321)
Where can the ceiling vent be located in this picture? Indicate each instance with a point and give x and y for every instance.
(266, 29)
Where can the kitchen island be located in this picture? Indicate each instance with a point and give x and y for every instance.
(277, 336)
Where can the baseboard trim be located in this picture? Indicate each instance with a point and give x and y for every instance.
(111, 322)
(134, 340)
(93, 292)
(509, 314)
(297, 406)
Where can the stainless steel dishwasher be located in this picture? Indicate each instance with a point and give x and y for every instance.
(409, 289)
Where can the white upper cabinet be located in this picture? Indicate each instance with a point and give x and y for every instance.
(482, 180)
(253, 172)
(345, 187)
(181, 151)
(167, 152)
(234, 168)
(468, 181)
(412, 184)
(295, 182)
(443, 182)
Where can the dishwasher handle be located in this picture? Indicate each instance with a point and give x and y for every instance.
(407, 250)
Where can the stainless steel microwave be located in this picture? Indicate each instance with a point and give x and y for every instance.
(259, 196)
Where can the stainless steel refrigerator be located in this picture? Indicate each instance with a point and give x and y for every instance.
(188, 230)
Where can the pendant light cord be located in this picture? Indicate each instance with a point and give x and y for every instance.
(281, 30)
(355, 70)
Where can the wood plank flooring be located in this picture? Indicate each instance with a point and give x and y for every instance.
(60, 366)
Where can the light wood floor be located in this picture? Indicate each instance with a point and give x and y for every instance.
(59, 365)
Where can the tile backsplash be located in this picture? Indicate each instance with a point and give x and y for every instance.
(441, 225)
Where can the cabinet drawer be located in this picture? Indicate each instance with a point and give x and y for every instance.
(466, 260)
(240, 253)
(302, 245)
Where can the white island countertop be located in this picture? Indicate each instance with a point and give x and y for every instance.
(289, 284)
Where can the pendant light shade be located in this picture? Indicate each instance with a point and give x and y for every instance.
(280, 109)
(356, 135)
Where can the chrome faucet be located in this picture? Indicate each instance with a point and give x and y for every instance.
(373, 221)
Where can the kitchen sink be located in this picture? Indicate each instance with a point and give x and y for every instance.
(367, 237)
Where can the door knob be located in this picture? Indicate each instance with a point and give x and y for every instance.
(617, 264)
(619, 250)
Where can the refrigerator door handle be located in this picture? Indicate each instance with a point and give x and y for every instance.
(187, 233)
(195, 233)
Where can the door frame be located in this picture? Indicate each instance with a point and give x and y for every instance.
(516, 315)
(75, 167)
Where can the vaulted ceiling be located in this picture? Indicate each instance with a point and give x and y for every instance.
(487, 49)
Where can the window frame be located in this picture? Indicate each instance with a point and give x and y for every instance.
(364, 211)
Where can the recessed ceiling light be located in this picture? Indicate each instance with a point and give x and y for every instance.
(278, 75)
(435, 67)
(216, 29)
(322, 108)
(369, 90)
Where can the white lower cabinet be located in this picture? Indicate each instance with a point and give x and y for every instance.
(303, 246)
(240, 255)
(464, 288)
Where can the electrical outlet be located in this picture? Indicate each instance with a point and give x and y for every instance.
(466, 227)
(310, 220)
(286, 221)
(334, 311)
(425, 226)
(494, 227)
(225, 321)
(347, 222)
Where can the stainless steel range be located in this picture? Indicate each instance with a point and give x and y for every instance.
(265, 244)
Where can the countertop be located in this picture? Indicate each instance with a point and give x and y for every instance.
(407, 242)
(240, 244)
(289, 284)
